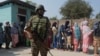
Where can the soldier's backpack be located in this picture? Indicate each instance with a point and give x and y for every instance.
(97, 29)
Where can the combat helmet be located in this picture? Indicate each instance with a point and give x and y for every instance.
(40, 7)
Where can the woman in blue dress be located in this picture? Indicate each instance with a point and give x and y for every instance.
(1, 35)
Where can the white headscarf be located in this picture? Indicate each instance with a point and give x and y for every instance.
(85, 22)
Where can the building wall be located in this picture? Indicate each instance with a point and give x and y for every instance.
(15, 12)
(5, 13)
(91, 21)
(29, 13)
(9, 13)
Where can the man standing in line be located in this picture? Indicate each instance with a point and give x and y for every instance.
(7, 29)
(96, 41)
(38, 25)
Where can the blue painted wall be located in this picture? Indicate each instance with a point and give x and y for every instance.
(5, 13)
(9, 13)
(14, 13)
(28, 14)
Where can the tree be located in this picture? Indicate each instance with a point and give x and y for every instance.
(53, 18)
(76, 9)
(98, 16)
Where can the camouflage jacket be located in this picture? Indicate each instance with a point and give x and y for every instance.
(40, 25)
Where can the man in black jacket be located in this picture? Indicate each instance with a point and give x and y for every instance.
(96, 42)
(7, 29)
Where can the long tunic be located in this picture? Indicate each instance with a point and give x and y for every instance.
(14, 35)
(86, 31)
(77, 36)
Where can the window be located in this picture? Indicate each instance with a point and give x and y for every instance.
(21, 11)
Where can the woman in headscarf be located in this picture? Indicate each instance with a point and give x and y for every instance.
(77, 36)
(14, 35)
(1, 35)
(86, 31)
(54, 29)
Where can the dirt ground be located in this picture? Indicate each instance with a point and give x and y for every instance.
(26, 51)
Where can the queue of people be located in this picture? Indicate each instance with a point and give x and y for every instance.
(77, 37)
(12, 34)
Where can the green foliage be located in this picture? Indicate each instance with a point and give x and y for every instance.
(53, 18)
(76, 9)
(98, 16)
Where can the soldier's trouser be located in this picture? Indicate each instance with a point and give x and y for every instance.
(36, 47)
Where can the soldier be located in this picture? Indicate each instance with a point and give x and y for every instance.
(37, 30)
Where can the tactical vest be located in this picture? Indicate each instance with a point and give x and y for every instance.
(39, 25)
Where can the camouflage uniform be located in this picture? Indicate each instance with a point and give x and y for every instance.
(42, 28)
